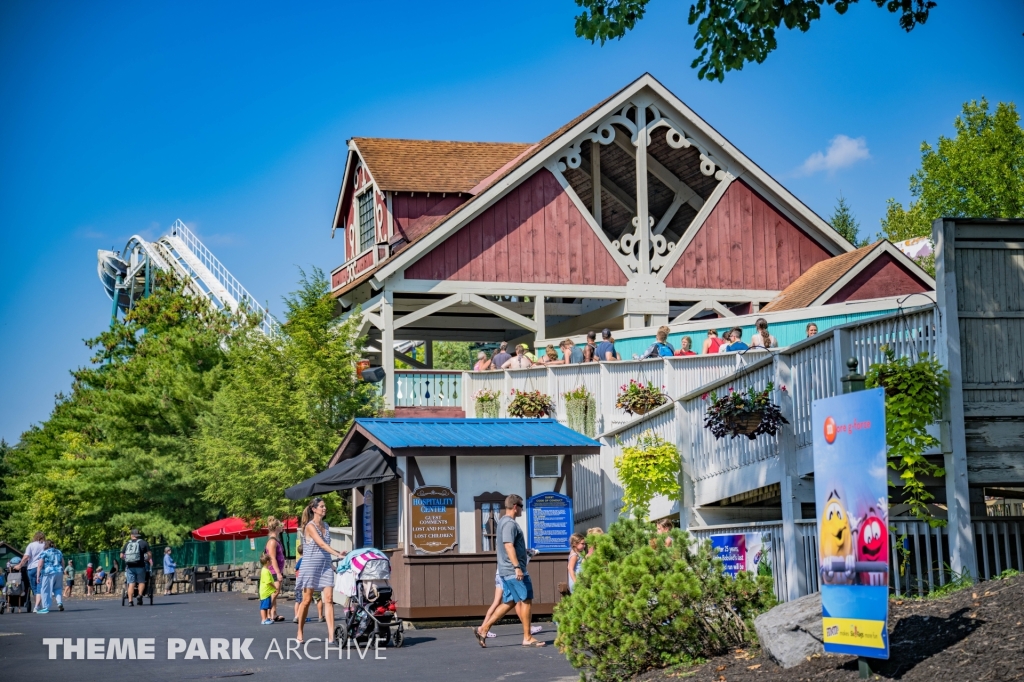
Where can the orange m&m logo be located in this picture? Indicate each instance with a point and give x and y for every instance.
(830, 430)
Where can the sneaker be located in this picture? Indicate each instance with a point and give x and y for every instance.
(60, 607)
(295, 619)
(131, 602)
(267, 622)
(534, 629)
(42, 610)
(491, 634)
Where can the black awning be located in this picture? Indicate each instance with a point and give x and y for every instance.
(368, 467)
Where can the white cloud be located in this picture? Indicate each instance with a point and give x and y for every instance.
(842, 151)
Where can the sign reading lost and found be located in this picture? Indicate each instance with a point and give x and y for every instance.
(433, 519)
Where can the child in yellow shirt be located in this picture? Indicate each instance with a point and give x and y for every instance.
(267, 590)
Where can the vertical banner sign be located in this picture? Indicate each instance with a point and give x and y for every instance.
(549, 522)
(368, 517)
(750, 552)
(852, 498)
(432, 519)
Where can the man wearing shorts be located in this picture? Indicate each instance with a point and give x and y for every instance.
(517, 589)
(136, 554)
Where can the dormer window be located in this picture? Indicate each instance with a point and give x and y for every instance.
(366, 220)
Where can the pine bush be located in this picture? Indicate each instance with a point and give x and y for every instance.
(639, 604)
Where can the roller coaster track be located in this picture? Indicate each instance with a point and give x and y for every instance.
(127, 275)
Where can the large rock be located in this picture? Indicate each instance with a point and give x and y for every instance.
(791, 632)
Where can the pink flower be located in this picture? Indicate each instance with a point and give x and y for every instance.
(731, 389)
(783, 387)
(704, 397)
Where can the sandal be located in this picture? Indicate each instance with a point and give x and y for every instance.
(279, 619)
(534, 643)
(481, 639)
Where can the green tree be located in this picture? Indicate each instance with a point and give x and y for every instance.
(286, 403)
(116, 452)
(731, 33)
(844, 222)
(640, 603)
(979, 173)
(456, 355)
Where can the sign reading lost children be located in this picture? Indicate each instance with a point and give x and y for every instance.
(433, 519)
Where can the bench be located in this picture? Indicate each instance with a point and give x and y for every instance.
(183, 577)
(224, 575)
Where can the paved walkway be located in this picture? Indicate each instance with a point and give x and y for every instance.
(449, 654)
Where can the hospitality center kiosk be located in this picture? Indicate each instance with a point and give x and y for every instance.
(429, 493)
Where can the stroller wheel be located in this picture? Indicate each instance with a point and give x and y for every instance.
(398, 639)
(341, 635)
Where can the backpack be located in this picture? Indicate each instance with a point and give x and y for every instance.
(664, 350)
(131, 552)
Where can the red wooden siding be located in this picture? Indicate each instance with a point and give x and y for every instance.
(884, 277)
(414, 214)
(341, 276)
(532, 234)
(745, 244)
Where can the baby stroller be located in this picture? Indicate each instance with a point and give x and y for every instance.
(361, 588)
(14, 591)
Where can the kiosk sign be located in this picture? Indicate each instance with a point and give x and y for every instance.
(549, 522)
(432, 516)
(852, 498)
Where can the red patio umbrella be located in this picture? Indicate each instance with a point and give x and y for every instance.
(234, 528)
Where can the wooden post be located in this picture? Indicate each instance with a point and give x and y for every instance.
(540, 320)
(595, 179)
(387, 349)
(961, 537)
(796, 576)
(428, 353)
(643, 228)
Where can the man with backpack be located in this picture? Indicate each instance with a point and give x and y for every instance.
(661, 347)
(136, 554)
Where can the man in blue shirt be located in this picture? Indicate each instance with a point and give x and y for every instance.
(737, 341)
(606, 349)
(169, 568)
(517, 590)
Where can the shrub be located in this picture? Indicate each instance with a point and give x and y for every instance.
(640, 604)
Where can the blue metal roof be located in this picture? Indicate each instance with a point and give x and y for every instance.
(398, 434)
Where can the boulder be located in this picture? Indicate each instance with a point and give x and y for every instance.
(791, 632)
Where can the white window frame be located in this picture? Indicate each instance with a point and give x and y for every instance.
(360, 249)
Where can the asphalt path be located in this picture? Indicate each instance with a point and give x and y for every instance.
(448, 654)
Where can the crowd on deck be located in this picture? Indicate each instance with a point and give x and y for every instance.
(731, 341)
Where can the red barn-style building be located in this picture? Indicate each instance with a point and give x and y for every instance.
(634, 214)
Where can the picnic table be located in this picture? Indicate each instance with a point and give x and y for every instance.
(225, 575)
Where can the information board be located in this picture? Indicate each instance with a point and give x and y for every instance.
(852, 498)
(432, 517)
(549, 522)
(750, 552)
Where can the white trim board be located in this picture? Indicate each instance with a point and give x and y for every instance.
(883, 247)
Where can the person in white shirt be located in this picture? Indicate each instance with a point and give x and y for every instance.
(761, 337)
(31, 561)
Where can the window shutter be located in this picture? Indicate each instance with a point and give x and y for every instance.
(391, 492)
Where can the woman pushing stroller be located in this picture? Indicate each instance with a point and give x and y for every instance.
(317, 572)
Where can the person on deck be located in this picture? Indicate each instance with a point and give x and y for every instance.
(684, 347)
(761, 337)
(736, 335)
(661, 347)
(571, 353)
(606, 349)
(501, 356)
(812, 329)
(517, 589)
(713, 344)
(520, 361)
(550, 357)
(482, 363)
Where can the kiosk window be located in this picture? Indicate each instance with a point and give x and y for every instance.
(489, 507)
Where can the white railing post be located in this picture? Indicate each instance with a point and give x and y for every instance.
(467, 397)
(506, 393)
(791, 510)
(686, 486)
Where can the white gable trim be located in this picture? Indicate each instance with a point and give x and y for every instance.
(341, 192)
(771, 189)
(883, 247)
(753, 171)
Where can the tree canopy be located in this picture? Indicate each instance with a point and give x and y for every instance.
(731, 33)
(186, 413)
(979, 173)
(286, 403)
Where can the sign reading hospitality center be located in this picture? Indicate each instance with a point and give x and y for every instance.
(852, 498)
(549, 522)
(432, 517)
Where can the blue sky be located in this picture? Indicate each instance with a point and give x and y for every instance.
(118, 118)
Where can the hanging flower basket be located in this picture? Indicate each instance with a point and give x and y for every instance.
(749, 413)
(636, 398)
(530, 404)
(487, 403)
(581, 411)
